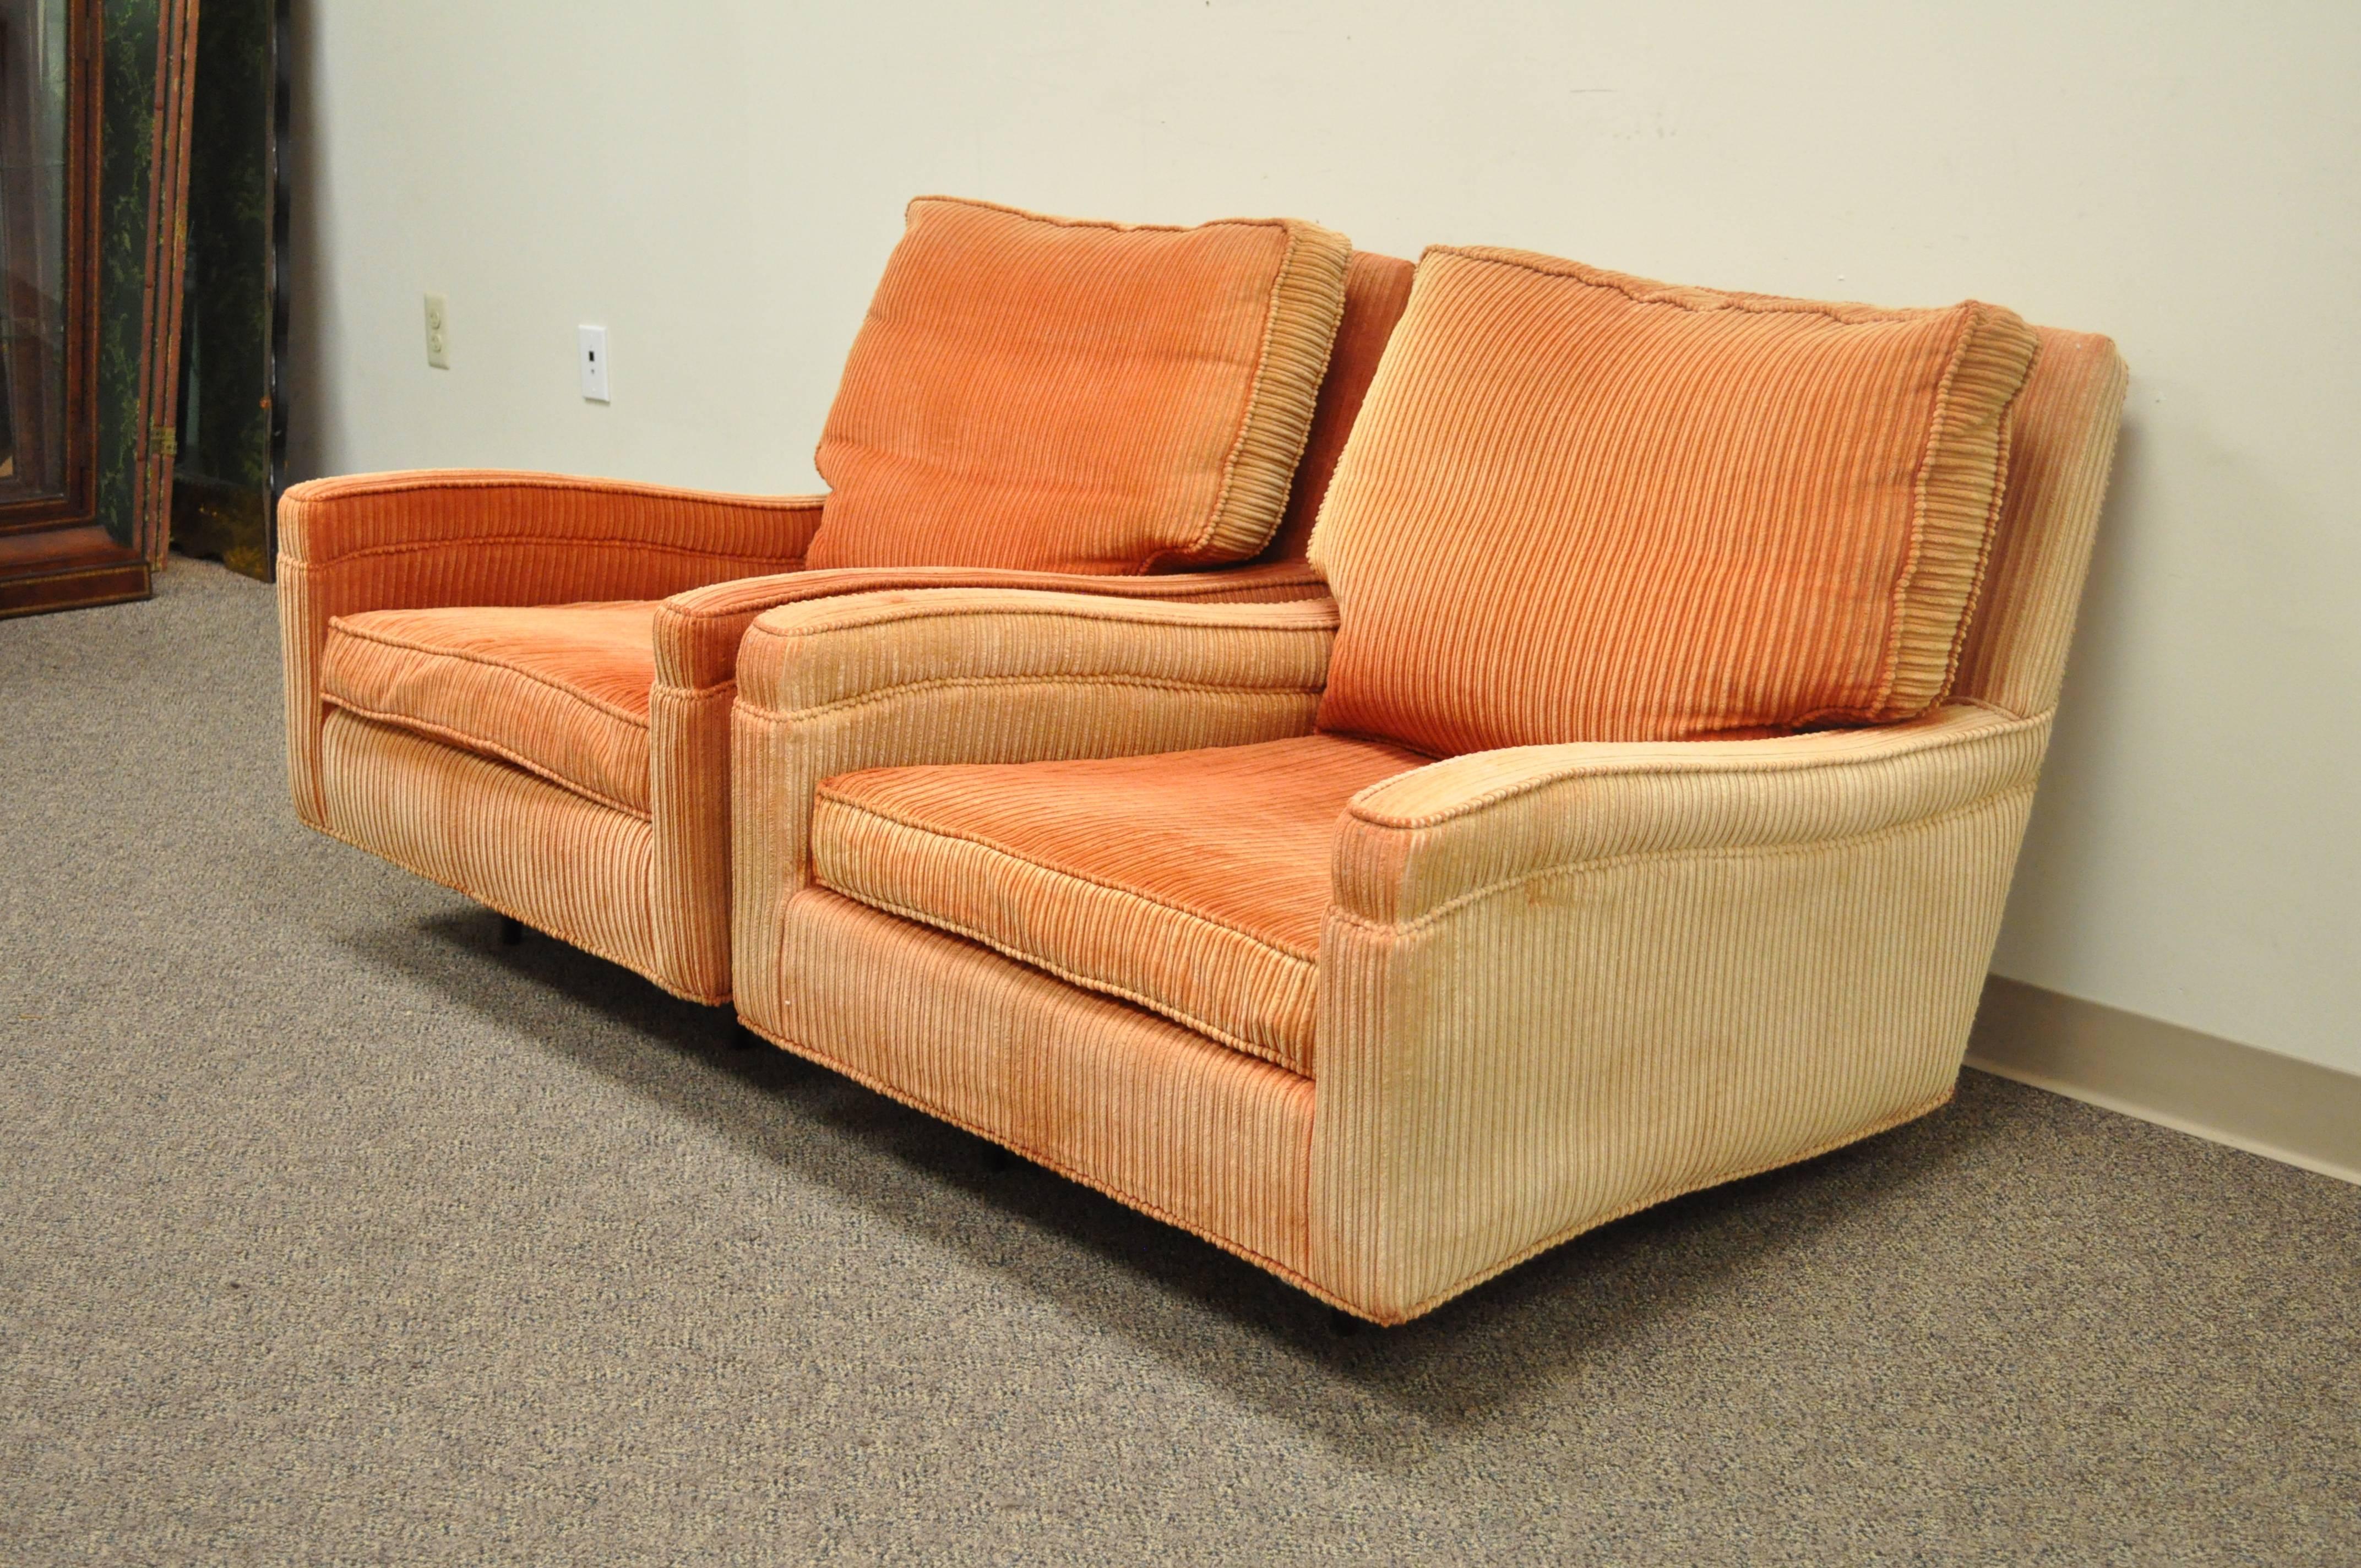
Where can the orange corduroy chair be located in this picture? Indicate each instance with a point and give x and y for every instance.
(1637, 814)
(518, 684)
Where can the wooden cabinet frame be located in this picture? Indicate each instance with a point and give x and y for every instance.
(100, 537)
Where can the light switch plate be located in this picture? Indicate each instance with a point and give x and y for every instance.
(438, 332)
(594, 364)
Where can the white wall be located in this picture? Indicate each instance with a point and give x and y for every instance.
(719, 180)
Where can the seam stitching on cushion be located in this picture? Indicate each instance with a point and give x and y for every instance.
(398, 483)
(1897, 601)
(1287, 259)
(1841, 312)
(473, 540)
(340, 625)
(475, 745)
(848, 803)
(1185, 590)
(1047, 966)
(1993, 510)
(2011, 724)
(1028, 213)
(668, 690)
(880, 615)
(883, 693)
(1666, 857)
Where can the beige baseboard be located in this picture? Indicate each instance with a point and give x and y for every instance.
(2296, 1112)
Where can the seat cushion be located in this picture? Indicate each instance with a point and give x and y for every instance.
(1578, 506)
(561, 690)
(1192, 883)
(1056, 395)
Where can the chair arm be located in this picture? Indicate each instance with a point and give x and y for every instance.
(1414, 844)
(1561, 983)
(545, 538)
(826, 686)
(697, 631)
(865, 649)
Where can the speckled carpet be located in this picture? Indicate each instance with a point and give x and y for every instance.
(332, 1231)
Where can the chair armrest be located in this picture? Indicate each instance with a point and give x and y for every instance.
(1474, 824)
(546, 538)
(899, 679)
(697, 631)
(861, 648)
(1561, 983)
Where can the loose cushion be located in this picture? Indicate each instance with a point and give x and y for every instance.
(1190, 883)
(1376, 288)
(1579, 506)
(1055, 395)
(560, 690)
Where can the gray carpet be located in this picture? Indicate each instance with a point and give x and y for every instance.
(331, 1231)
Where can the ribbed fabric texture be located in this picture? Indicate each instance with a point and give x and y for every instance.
(562, 864)
(376, 541)
(1545, 1006)
(646, 729)
(1376, 289)
(564, 690)
(688, 796)
(1161, 1118)
(552, 857)
(1192, 883)
(2061, 446)
(696, 641)
(1556, 982)
(559, 690)
(1581, 506)
(834, 686)
(1057, 395)
(698, 633)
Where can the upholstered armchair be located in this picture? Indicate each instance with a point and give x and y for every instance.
(1388, 939)
(520, 685)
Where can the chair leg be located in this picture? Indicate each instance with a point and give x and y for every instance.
(512, 931)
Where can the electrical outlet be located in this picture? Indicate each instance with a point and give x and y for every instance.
(594, 364)
(438, 332)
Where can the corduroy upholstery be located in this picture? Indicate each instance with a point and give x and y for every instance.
(1377, 291)
(1192, 883)
(559, 690)
(486, 716)
(1554, 982)
(1055, 395)
(1581, 506)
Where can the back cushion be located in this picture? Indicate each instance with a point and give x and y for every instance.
(1055, 395)
(1579, 506)
(1376, 289)
(2061, 443)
